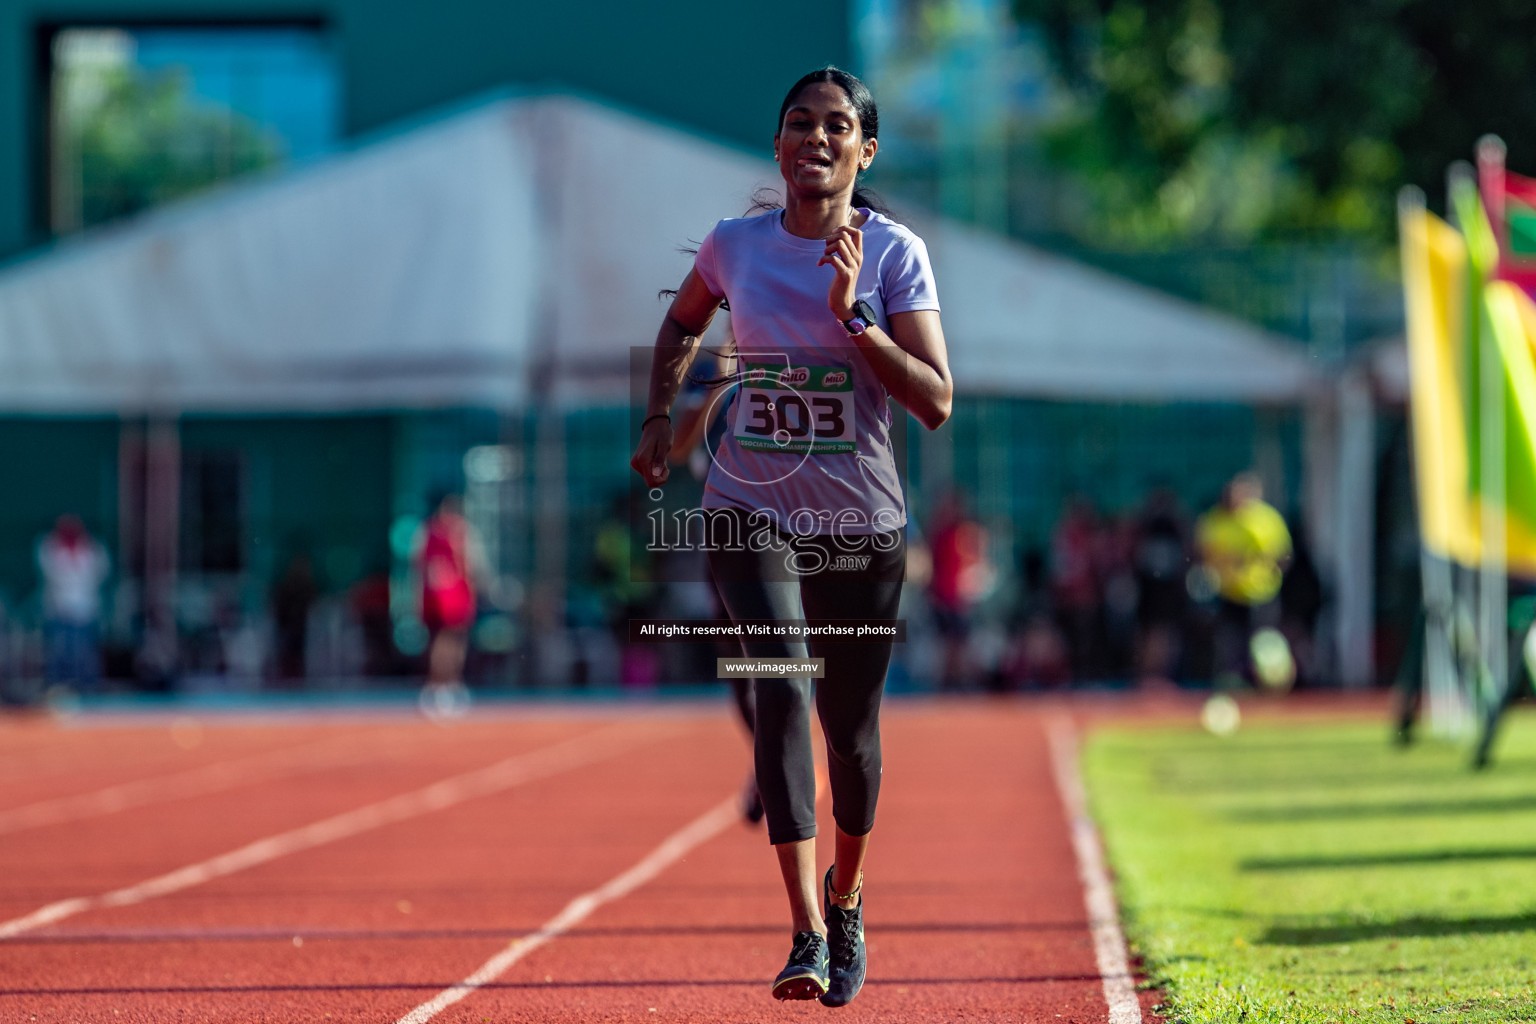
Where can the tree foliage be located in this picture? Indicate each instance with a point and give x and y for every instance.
(1237, 120)
(145, 140)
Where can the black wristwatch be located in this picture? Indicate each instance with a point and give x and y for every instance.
(863, 318)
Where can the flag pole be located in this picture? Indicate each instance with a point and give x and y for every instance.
(1443, 704)
(1491, 152)
(1493, 604)
(1464, 574)
(1490, 671)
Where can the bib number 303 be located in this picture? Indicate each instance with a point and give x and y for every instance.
(796, 409)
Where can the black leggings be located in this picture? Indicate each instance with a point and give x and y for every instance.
(757, 584)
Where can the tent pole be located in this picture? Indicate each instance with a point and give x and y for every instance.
(130, 501)
(551, 500)
(1355, 495)
(1320, 487)
(162, 534)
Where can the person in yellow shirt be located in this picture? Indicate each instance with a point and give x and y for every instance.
(1245, 546)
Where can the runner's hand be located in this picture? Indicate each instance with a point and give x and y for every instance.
(845, 253)
(650, 458)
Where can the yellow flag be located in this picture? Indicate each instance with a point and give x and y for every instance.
(1435, 269)
(1434, 283)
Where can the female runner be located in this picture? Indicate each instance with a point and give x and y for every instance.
(834, 310)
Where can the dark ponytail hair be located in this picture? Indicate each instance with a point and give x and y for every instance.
(863, 103)
(858, 93)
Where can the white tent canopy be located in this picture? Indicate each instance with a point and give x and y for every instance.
(1024, 322)
(520, 246)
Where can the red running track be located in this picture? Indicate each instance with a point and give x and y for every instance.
(355, 870)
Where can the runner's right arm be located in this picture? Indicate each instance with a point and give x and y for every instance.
(677, 343)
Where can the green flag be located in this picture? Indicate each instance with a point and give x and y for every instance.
(1499, 316)
(1520, 215)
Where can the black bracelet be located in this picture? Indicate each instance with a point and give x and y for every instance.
(656, 416)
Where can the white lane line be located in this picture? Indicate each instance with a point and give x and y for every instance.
(1099, 896)
(210, 778)
(672, 849)
(538, 764)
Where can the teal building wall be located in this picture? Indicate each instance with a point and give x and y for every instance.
(720, 68)
(321, 484)
(329, 486)
(343, 489)
(50, 466)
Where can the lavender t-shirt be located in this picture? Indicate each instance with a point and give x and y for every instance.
(808, 427)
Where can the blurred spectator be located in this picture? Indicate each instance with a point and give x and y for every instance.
(1033, 598)
(1075, 587)
(449, 564)
(624, 573)
(1245, 545)
(73, 566)
(12, 686)
(370, 601)
(293, 595)
(1114, 554)
(961, 575)
(1036, 657)
(1301, 603)
(1037, 654)
(1161, 559)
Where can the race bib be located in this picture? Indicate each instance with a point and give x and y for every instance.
(796, 409)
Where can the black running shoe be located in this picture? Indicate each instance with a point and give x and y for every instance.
(845, 937)
(805, 976)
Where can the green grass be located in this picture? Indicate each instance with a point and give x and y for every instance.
(1311, 873)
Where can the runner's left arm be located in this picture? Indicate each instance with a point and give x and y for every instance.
(911, 361)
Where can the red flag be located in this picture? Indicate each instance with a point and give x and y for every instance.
(1520, 217)
(1510, 200)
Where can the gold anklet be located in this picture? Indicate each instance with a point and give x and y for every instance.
(840, 897)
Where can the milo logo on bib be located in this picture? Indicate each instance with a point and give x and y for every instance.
(799, 409)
